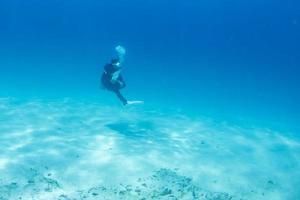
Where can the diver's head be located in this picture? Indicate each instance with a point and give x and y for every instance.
(115, 62)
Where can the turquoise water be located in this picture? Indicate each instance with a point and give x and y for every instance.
(219, 81)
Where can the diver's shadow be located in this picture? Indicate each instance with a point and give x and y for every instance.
(134, 130)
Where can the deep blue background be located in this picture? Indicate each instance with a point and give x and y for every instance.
(226, 59)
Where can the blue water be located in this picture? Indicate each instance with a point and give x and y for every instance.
(231, 61)
(223, 58)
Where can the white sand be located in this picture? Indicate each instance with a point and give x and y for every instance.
(74, 149)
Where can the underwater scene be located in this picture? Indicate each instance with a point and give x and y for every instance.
(149, 100)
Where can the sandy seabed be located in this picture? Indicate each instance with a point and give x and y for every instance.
(74, 150)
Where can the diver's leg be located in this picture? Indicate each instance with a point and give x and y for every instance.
(122, 85)
(121, 82)
(121, 97)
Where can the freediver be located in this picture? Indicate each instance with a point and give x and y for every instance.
(112, 79)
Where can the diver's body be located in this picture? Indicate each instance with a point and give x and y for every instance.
(112, 79)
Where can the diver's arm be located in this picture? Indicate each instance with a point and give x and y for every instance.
(115, 75)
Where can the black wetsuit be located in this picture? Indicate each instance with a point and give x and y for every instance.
(115, 87)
